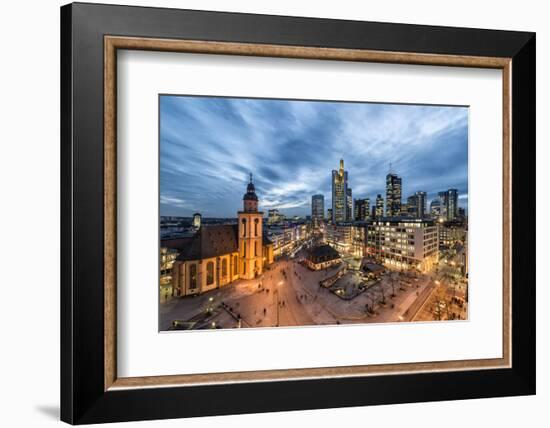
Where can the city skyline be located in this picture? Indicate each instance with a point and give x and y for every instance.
(210, 145)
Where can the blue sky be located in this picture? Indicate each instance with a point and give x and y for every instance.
(209, 145)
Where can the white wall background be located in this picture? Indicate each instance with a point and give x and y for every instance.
(29, 213)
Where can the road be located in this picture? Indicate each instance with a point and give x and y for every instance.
(288, 302)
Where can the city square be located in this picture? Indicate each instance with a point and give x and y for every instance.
(290, 295)
(321, 276)
(314, 252)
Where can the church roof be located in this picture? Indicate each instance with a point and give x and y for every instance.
(211, 241)
(176, 243)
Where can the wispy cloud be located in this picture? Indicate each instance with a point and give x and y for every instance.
(208, 146)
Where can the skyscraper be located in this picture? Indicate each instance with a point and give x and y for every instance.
(411, 206)
(339, 193)
(448, 204)
(349, 205)
(317, 208)
(379, 206)
(452, 204)
(393, 195)
(443, 202)
(416, 205)
(361, 211)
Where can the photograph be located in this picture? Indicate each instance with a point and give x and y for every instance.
(291, 213)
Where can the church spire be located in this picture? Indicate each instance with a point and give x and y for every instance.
(250, 198)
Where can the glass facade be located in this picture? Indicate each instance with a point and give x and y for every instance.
(393, 195)
(317, 207)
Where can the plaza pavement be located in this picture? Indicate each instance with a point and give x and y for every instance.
(288, 294)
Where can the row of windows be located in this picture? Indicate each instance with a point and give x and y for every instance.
(256, 221)
(256, 251)
(210, 272)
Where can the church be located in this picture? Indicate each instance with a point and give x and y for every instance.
(217, 255)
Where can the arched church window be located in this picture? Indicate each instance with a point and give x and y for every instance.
(193, 276)
(235, 265)
(256, 227)
(224, 268)
(210, 273)
(244, 227)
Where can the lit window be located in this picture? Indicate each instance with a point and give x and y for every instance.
(224, 268)
(193, 276)
(209, 273)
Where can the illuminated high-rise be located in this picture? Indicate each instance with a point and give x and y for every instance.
(361, 209)
(349, 205)
(416, 205)
(448, 203)
(379, 212)
(452, 204)
(339, 194)
(393, 195)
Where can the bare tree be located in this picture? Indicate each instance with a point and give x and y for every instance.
(391, 279)
(440, 302)
(383, 300)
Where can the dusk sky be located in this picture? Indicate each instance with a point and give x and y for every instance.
(208, 147)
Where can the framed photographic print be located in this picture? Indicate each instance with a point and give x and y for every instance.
(265, 213)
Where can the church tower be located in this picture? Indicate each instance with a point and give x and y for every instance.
(250, 235)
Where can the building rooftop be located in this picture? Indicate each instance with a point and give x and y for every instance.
(403, 219)
(322, 251)
(210, 241)
(176, 243)
(372, 267)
